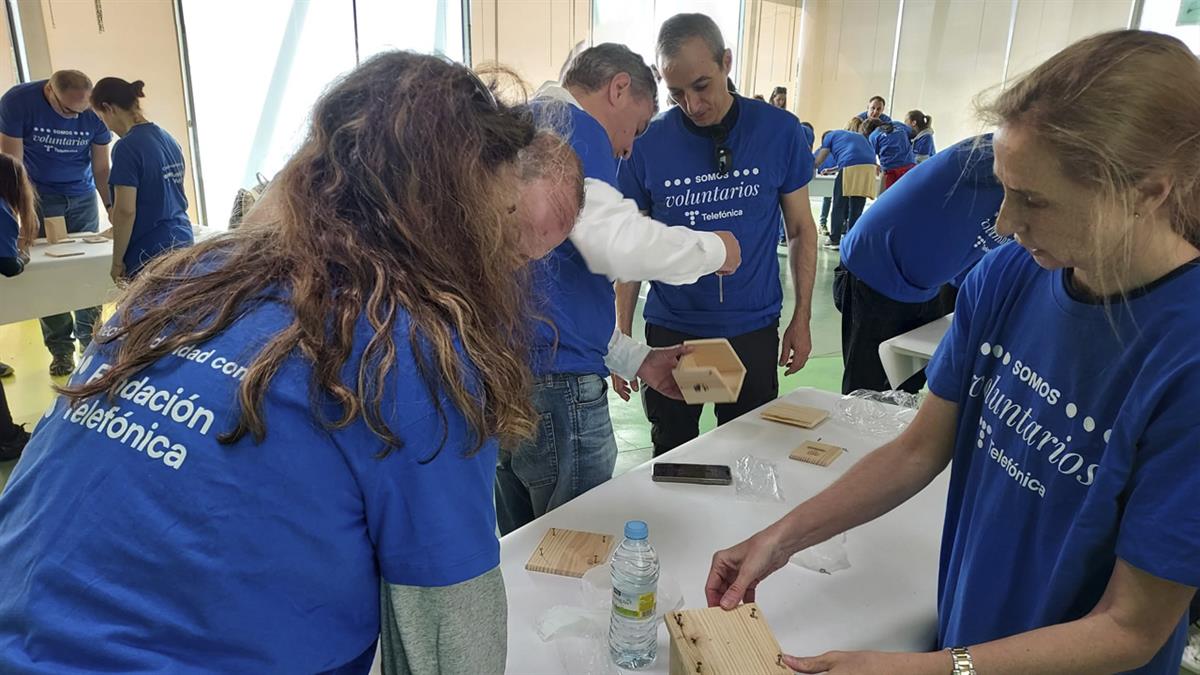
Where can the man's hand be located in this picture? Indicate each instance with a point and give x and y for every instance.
(795, 347)
(733, 252)
(657, 370)
(623, 386)
(117, 272)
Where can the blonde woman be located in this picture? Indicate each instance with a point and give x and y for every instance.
(1065, 393)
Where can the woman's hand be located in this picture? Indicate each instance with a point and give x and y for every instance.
(117, 271)
(736, 572)
(871, 663)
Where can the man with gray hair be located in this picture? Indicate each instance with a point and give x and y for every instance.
(50, 127)
(606, 99)
(720, 161)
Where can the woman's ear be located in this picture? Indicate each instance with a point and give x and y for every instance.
(1152, 193)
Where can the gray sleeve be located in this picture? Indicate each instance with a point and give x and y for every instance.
(451, 629)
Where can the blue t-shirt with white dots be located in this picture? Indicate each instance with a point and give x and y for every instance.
(673, 175)
(1076, 446)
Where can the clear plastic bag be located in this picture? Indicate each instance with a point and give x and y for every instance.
(827, 557)
(756, 480)
(879, 413)
(580, 633)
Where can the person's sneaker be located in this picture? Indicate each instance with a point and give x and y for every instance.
(5, 369)
(62, 365)
(831, 244)
(11, 449)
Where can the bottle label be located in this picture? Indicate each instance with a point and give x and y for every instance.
(633, 606)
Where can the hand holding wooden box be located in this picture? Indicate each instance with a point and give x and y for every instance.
(712, 373)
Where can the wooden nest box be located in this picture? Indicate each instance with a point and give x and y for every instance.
(712, 373)
(716, 642)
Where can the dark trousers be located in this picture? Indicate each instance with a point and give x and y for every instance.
(846, 211)
(7, 428)
(60, 331)
(825, 204)
(673, 423)
(868, 319)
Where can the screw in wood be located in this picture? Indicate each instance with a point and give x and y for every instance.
(699, 666)
(753, 612)
(679, 619)
(779, 660)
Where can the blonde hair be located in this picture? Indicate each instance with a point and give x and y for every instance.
(1119, 79)
(854, 125)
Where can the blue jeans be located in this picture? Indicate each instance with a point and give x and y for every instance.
(574, 451)
(82, 213)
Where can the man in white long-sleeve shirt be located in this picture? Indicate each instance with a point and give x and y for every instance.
(607, 98)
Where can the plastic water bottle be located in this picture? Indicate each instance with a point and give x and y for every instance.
(633, 631)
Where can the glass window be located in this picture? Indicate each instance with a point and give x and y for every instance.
(420, 25)
(256, 70)
(635, 23)
(258, 67)
(1163, 16)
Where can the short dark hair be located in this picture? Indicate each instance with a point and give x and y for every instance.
(779, 90)
(877, 98)
(807, 126)
(683, 27)
(70, 80)
(596, 66)
(874, 123)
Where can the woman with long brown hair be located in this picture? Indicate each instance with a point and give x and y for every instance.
(280, 418)
(18, 227)
(1065, 392)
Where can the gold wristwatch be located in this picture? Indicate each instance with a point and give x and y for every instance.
(963, 665)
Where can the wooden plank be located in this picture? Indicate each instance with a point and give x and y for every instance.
(815, 452)
(795, 415)
(716, 642)
(570, 553)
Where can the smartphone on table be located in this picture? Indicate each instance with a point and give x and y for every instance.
(699, 474)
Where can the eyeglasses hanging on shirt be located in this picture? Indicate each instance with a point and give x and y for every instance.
(724, 158)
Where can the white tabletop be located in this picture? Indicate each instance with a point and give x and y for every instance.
(886, 600)
(52, 285)
(905, 354)
(821, 186)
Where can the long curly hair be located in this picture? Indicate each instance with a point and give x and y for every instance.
(402, 198)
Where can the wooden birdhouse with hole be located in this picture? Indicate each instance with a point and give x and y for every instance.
(712, 373)
(716, 642)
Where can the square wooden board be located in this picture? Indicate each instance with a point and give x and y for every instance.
(570, 553)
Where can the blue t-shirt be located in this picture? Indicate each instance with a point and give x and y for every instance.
(1076, 445)
(672, 174)
(930, 227)
(57, 150)
(10, 231)
(133, 541)
(894, 148)
(810, 137)
(847, 148)
(882, 118)
(923, 145)
(148, 159)
(580, 304)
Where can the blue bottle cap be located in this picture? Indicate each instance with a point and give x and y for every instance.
(636, 530)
